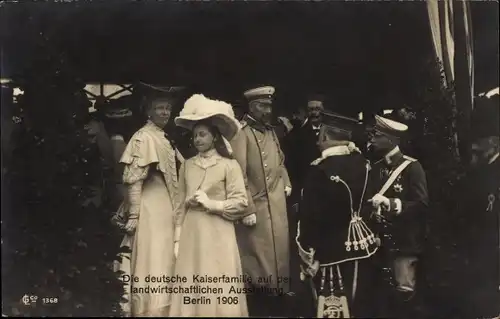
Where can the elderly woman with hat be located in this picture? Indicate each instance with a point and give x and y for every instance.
(213, 198)
(151, 177)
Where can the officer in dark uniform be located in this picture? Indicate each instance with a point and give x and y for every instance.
(400, 201)
(335, 242)
(478, 207)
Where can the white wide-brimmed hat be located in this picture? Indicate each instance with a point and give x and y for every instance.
(221, 114)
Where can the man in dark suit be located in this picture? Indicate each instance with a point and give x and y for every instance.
(334, 241)
(400, 202)
(304, 147)
(478, 208)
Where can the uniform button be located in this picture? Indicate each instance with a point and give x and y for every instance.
(267, 178)
(263, 153)
(265, 165)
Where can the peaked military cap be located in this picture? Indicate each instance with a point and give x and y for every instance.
(340, 123)
(389, 127)
(264, 94)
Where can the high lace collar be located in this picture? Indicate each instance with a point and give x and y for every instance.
(208, 153)
(207, 159)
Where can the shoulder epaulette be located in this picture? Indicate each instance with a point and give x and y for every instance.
(411, 159)
(317, 161)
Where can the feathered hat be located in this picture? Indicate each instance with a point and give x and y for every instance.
(220, 114)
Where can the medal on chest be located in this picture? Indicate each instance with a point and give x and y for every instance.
(398, 186)
(384, 173)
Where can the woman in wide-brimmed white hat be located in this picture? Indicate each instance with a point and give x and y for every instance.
(213, 189)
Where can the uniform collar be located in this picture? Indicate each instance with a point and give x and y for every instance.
(256, 124)
(335, 151)
(393, 156)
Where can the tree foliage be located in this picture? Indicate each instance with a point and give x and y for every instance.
(438, 152)
(57, 238)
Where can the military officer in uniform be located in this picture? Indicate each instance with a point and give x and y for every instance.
(262, 235)
(334, 239)
(478, 207)
(400, 200)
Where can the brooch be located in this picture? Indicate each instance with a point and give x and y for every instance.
(398, 188)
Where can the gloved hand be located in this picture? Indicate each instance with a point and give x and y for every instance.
(380, 201)
(309, 271)
(191, 202)
(177, 237)
(118, 221)
(201, 197)
(288, 191)
(250, 220)
(176, 249)
(210, 205)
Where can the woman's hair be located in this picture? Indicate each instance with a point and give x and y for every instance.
(219, 144)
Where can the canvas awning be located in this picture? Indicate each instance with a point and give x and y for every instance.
(343, 48)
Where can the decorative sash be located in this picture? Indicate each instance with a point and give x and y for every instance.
(395, 175)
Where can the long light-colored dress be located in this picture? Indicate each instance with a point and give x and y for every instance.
(207, 245)
(150, 159)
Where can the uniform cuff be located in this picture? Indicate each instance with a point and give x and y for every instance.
(219, 206)
(396, 205)
(216, 206)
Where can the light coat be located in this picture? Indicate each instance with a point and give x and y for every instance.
(264, 247)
